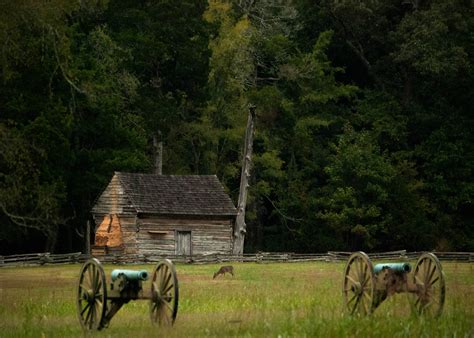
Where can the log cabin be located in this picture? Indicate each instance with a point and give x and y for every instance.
(153, 214)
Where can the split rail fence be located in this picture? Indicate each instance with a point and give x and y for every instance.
(260, 257)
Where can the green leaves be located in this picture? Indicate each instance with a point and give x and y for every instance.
(428, 40)
(359, 183)
(314, 76)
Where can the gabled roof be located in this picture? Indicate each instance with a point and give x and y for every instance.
(176, 194)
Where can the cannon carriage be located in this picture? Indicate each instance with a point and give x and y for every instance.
(97, 304)
(366, 286)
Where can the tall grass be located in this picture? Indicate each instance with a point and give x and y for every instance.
(275, 300)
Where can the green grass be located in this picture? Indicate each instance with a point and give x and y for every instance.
(291, 299)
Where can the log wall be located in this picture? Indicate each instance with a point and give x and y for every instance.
(129, 233)
(158, 235)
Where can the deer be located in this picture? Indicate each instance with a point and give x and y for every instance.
(223, 270)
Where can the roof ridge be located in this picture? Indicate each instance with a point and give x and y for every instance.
(150, 174)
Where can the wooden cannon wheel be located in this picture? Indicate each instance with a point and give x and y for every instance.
(91, 295)
(430, 292)
(358, 285)
(164, 294)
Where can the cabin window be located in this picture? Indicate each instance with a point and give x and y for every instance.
(153, 232)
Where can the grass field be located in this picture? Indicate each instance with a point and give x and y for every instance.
(269, 300)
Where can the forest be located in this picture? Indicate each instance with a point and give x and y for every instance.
(363, 131)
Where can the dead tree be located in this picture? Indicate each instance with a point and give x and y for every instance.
(240, 226)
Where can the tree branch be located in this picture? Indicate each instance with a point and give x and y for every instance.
(24, 221)
(72, 84)
(358, 50)
(282, 214)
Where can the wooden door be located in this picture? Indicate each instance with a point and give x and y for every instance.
(183, 243)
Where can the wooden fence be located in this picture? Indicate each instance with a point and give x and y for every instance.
(260, 257)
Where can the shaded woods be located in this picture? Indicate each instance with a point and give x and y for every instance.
(363, 130)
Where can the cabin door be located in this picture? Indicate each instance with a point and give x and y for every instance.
(183, 243)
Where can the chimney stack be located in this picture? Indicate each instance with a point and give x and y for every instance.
(158, 145)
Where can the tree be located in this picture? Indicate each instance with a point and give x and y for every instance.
(369, 200)
(65, 97)
(240, 225)
(28, 200)
(168, 44)
(35, 124)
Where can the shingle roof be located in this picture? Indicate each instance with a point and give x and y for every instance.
(176, 194)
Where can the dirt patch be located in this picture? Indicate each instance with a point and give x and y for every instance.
(26, 282)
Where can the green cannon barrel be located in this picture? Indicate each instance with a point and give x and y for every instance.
(399, 267)
(130, 274)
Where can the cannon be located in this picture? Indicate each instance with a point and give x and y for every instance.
(366, 286)
(97, 304)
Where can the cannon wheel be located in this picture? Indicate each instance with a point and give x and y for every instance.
(358, 286)
(428, 277)
(165, 294)
(91, 295)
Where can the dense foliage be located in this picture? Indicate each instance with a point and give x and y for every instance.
(364, 122)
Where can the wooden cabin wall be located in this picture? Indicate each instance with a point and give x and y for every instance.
(129, 233)
(113, 200)
(157, 235)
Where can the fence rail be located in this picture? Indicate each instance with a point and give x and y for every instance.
(260, 257)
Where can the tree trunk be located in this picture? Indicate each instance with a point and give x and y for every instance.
(88, 238)
(51, 238)
(240, 226)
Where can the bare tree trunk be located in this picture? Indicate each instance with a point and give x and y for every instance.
(51, 238)
(158, 145)
(240, 226)
(88, 238)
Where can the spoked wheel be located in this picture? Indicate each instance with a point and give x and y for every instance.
(430, 286)
(164, 294)
(358, 286)
(91, 295)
